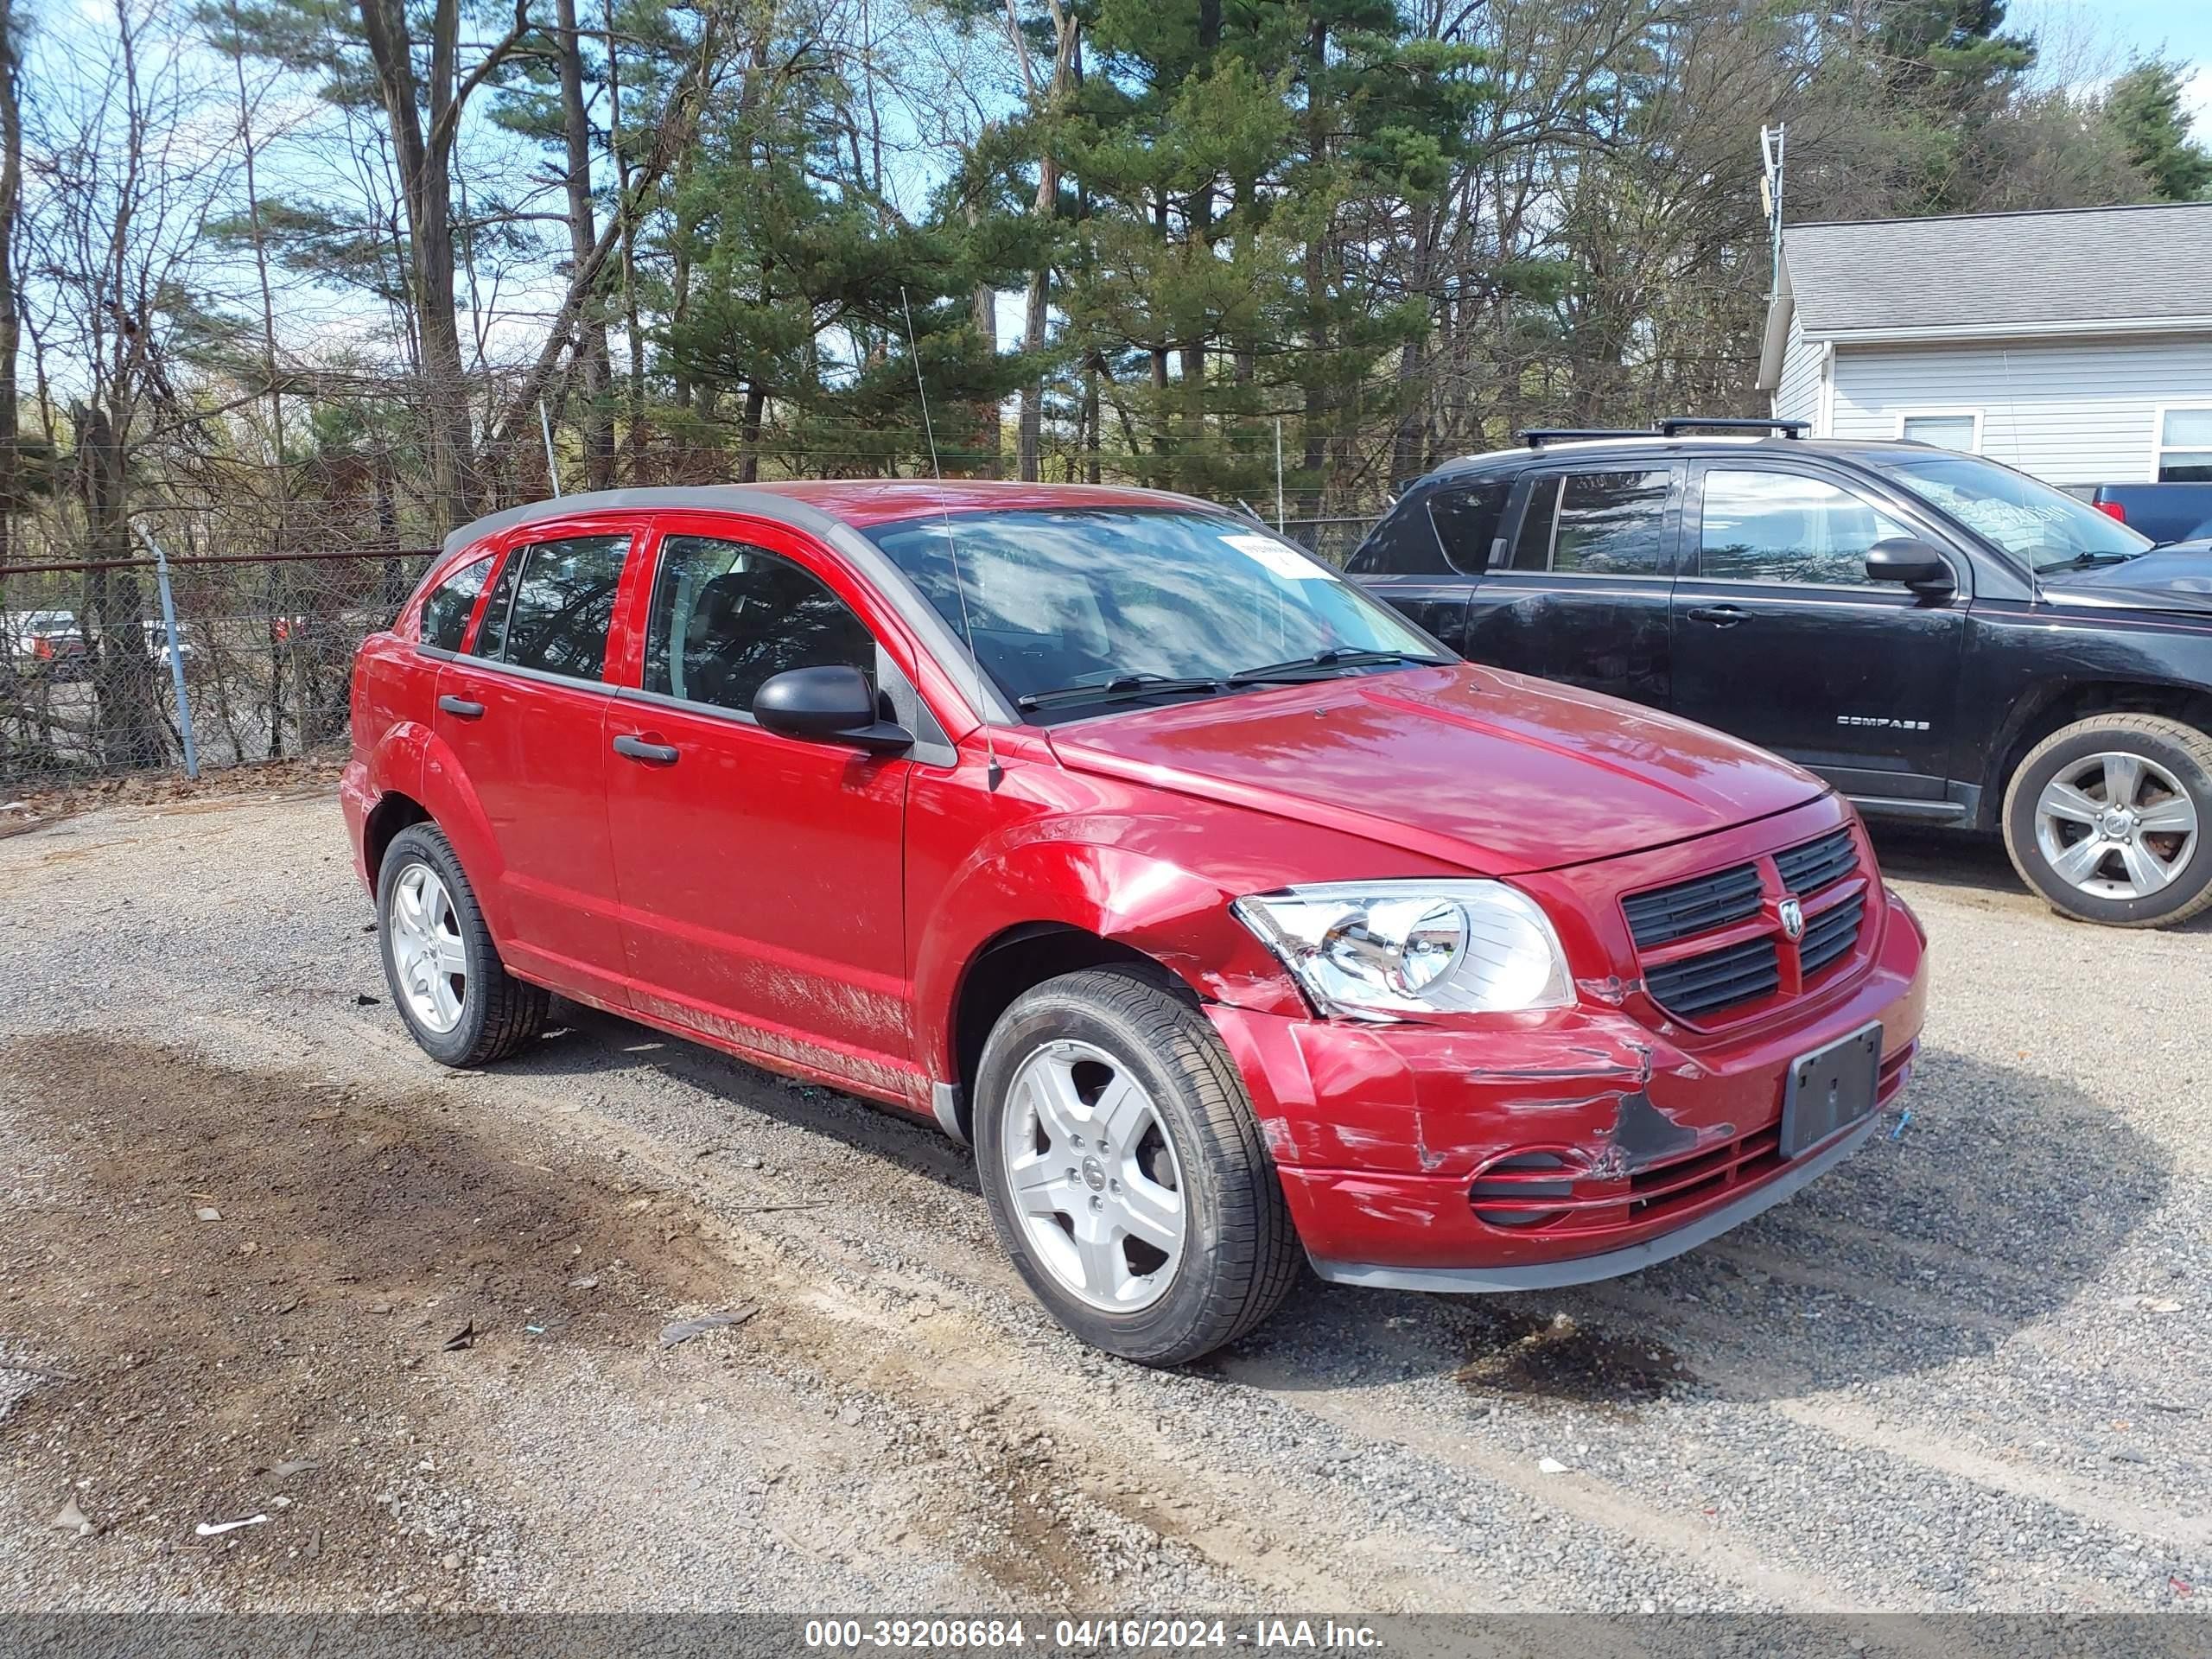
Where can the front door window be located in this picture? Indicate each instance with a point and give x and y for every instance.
(726, 618)
(1757, 526)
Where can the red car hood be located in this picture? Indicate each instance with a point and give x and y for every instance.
(1494, 772)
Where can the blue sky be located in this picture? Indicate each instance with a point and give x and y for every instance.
(2178, 29)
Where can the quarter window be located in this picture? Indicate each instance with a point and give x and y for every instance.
(1467, 523)
(1786, 527)
(562, 605)
(2184, 445)
(446, 611)
(725, 617)
(1596, 524)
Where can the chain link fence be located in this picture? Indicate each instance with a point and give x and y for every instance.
(93, 683)
(92, 677)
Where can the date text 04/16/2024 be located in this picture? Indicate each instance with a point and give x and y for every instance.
(1090, 1635)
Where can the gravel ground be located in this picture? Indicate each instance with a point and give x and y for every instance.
(258, 1257)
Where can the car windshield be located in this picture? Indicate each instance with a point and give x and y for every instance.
(2043, 527)
(1072, 609)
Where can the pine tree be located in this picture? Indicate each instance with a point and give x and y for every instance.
(2145, 109)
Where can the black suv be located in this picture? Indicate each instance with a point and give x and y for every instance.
(1942, 638)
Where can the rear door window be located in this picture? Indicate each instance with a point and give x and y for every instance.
(561, 607)
(1600, 524)
(1612, 524)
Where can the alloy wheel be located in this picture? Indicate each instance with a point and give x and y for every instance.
(426, 949)
(1096, 1188)
(2117, 825)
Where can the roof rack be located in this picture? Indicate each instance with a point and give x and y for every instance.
(1675, 425)
(1536, 436)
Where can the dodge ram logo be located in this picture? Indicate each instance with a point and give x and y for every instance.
(1793, 920)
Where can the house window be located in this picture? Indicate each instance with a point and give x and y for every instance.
(1946, 428)
(2184, 452)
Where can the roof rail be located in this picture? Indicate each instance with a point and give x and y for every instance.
(1675, 425)
(1536, 436)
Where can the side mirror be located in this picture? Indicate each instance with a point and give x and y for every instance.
(829, 704)
(1912, 562)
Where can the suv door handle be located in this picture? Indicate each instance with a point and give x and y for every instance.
(1721, 616)
(657, 754)
(461, 708)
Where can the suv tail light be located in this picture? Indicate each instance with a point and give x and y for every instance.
(2112, 510)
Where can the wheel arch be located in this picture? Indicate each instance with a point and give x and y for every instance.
(1018, 959)
(394, 812)
(2061, 703)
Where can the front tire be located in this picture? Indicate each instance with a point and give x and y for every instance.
(460, 1004)
(1125, 1172)
(2110, 820)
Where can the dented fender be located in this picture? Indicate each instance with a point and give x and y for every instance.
(1053, 847)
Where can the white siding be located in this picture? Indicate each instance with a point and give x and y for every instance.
(2079, 413)
(1797, 389)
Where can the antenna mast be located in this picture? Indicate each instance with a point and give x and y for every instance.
(992, 770)
(1774, 143)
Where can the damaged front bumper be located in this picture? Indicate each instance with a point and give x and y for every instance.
(1408, 1153)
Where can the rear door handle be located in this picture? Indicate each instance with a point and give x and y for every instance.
(1721, 616)
(657, 754)
(461, 708)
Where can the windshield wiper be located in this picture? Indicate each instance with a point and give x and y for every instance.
(1322, 663)
(2086, 561)
(1121, 686)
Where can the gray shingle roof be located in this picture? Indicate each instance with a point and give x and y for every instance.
(1996, 271)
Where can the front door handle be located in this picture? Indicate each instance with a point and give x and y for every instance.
(656, 754)
(1721, 616)
(461, 708)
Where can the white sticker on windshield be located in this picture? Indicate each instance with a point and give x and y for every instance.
(1280, 559)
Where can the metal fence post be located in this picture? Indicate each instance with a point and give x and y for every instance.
(176, 653)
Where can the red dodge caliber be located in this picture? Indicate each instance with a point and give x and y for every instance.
(1231, 917)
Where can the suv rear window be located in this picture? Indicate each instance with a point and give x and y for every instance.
(1596, 523)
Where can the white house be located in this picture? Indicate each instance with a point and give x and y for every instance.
(2074, 345)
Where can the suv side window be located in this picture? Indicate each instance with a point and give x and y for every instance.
(554, 604)
(1786, 527)
(446, 610)
(725, 617)
(1609, 523)
(1467, 522)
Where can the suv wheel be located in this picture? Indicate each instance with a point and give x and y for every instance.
(459, 1003)
(1125, 1172)
(2110, 819)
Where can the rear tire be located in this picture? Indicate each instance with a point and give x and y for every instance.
(460, 1004)
(2110, 820)
(1114, 1106)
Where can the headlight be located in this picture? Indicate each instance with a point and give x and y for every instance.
(1377, 950)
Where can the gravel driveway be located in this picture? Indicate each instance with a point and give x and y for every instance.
(260, 1258)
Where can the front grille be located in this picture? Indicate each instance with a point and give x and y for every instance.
(1696, 985)
(1830, 934)
(1712, 944)
(1688, 907)
(1703, 1175)
(1812, 866)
